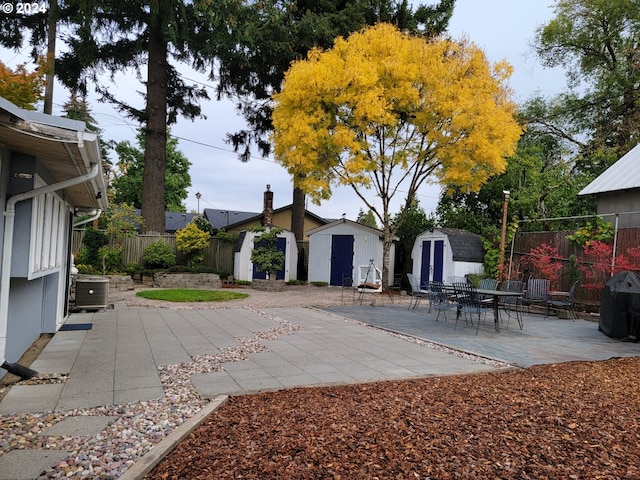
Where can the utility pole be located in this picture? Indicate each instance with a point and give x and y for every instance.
(503, 233)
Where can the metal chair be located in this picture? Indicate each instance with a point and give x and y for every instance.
(416, 291)
(395, 287)
(565, 303)
(537, 292)
(513, 303)
(487, 284)
(439, 299)
(347, 284)
(468, 302)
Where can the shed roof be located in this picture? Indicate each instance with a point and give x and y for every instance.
(466, 246)
(357, 225)
(622, 175)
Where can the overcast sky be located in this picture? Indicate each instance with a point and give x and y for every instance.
(503, 28)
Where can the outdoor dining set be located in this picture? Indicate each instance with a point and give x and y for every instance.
(472, 302)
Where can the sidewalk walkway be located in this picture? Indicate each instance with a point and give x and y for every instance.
(118, 380)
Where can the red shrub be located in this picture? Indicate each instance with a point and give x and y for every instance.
(545, 263)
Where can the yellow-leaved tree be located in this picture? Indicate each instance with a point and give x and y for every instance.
(21, 87)
(387, 111)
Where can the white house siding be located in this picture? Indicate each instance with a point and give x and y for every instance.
(63, 159)
(367, 246)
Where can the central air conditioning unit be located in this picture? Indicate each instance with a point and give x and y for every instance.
(92, 292)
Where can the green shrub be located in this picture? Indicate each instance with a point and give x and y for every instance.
(111, 259)
(158, 255)
(320, 284)
(265, 256)
(202, 223)
(92, 241)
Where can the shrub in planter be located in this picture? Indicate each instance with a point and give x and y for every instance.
(158, 255)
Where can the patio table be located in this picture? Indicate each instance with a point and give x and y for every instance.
(496, 294)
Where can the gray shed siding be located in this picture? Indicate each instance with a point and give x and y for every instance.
(620, 202)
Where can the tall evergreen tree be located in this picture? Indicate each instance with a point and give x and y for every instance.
(128, 37)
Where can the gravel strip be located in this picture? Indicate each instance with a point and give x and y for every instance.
(141, 425)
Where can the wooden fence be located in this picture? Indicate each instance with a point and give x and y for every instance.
(218, 256)
(526, 241)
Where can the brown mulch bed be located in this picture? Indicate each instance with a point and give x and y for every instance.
(572, 421)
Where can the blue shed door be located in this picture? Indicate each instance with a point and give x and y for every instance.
(341, 258)
(425, 267)
(282, 246)
(432, 266)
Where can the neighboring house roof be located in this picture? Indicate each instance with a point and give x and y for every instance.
(63, 146)
(466, 246)
(622, 175)
(225, 218)
(174, 221)
(230, 218)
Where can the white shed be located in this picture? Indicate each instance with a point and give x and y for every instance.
(447, 252)
(344, 247)
(243, 268)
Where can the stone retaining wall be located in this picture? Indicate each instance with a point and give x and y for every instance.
(187, 280)
(120, 283)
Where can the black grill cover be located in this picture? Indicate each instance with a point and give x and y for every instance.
(620, 307)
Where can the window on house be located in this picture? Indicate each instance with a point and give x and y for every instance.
(47, 233)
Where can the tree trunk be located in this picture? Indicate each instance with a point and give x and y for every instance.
(155, 149)
(52, 23)
(297, 214)
(386, 255)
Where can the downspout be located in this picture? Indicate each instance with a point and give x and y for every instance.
(10, 213)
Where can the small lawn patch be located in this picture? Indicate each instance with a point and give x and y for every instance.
(191, 295)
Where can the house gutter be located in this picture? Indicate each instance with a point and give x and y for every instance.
(90, 219)
(10, 213)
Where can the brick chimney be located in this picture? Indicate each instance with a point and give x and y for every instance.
(267, 211)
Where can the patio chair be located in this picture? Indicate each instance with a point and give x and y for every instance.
(565, 303)
(347, 284)
(468, 303)
(537, 292)
(396, 286)
(417, 292)
(513, 304)
(439, 299)
(487, 284)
